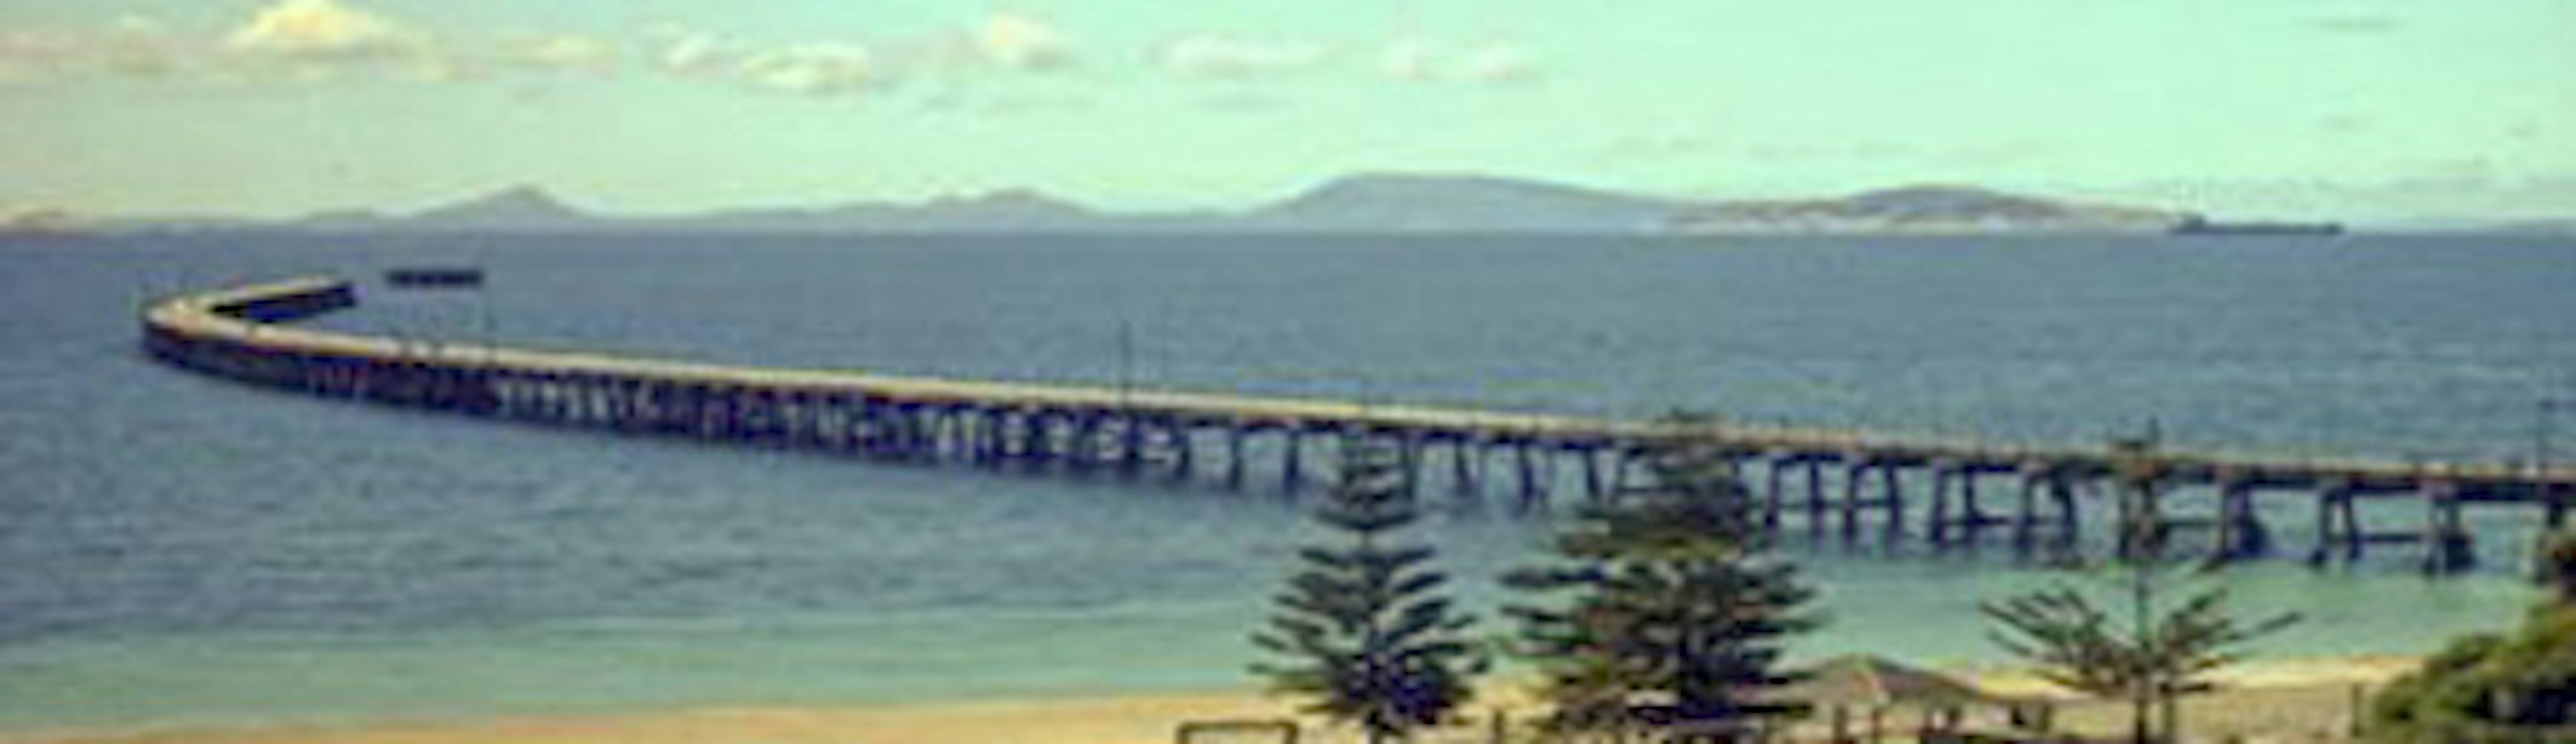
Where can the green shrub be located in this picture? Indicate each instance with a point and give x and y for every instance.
(2495, 689)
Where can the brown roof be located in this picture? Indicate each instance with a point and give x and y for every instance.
(1876, 681)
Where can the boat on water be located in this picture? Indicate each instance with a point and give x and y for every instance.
(2198, 225)
(435, 277)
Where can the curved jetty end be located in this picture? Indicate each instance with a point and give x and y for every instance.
(1843, 483)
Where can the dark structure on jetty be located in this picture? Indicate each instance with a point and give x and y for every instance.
(1824, 484)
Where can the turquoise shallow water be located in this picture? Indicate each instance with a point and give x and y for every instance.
(186, 550)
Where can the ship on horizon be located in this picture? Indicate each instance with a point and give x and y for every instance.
(2199, 225)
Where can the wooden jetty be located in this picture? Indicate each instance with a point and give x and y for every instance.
(1829, 484)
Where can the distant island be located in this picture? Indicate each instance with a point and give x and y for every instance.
(46, 221)
(1374, 203)
(2197, 225)
(1927, 210)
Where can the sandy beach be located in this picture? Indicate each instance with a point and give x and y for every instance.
(2287, 700)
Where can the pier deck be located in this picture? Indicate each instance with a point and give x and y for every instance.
(239, 333)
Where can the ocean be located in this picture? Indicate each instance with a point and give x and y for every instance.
(179, 550)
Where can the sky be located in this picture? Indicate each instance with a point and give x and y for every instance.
(2346, 108)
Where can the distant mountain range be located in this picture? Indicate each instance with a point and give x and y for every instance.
(1380, 203)
(1386, 203)
(1416, 203)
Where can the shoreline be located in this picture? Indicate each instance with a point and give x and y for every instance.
(2289, 698)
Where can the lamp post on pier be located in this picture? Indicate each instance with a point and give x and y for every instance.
(1126, 362)
(2137, 474)
(2543, 411)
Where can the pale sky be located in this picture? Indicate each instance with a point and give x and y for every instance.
(2352, 108)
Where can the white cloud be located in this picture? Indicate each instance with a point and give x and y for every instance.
(1432, 60)
(1022, 42)
(320, 40)
(692, 54)
(1409, 58)
(133, 46)
(34, 53)
(564, 53)
(321, 29)
(1003, 42)
(1495, 63)
(689, 52)
(1236, 57)
(810, 69)
(292, 41)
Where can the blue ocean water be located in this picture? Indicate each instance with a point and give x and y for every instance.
(184, 550)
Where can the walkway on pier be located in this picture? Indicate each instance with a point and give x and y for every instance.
(237, 333)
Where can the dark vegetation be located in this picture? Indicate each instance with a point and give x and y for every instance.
(1661, 615)
(1366, 634)
(2139, 647)
(2496, 688)
(1662, 609)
